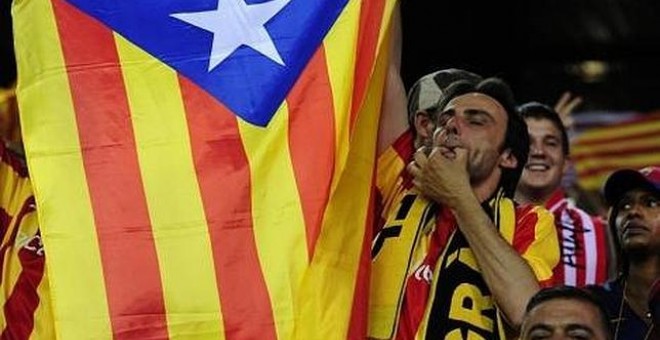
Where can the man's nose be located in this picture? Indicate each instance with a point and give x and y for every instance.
(536, 150)
(453, 125)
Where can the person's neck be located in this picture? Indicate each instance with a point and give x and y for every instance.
(536, 197)
(641, 275)
(486, 189)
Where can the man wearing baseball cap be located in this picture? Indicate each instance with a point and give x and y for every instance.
(634, 200)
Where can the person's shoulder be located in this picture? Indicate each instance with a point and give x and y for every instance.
(609, 293)
(528, 211)
(608, 289)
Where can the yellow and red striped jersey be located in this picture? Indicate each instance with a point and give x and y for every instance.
(416, 246)
(24, 291)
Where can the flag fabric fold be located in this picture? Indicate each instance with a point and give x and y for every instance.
(203, 170)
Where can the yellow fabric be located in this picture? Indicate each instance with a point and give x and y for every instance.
(21, 237)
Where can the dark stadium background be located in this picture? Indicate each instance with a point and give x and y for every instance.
(605, 50)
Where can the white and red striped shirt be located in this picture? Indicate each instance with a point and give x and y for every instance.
(583, 242)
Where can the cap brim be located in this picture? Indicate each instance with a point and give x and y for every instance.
(622, 181)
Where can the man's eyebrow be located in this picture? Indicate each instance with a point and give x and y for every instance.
(540, 326)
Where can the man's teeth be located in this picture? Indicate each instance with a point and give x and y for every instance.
(537, 167)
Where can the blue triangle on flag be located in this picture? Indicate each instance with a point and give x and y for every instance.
(247, 81)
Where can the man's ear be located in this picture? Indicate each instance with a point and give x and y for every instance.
(424, 125)
(508, 160)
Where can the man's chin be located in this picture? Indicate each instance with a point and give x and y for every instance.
(535, 184)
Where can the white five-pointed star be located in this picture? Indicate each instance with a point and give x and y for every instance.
(235, 23)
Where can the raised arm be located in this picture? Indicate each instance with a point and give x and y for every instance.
(393, 121)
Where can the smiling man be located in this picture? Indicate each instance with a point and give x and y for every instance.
(583, 238)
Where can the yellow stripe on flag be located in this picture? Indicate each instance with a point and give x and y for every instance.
(340, 46)
(625, 130)
(173, 198)
(580, 149)
(69, 234)
(328, 292)
(44, 328)
(600, 151)
(279, 226)
(595, 179)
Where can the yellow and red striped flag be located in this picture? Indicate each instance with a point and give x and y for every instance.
(203, 169)
(633, 143)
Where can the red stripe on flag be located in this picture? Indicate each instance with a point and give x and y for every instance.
(609, 154)
(371, 14)
(126, 243)
(607, 169)
(312, 142)
(611, 139)
(358, 323)
(223, 172)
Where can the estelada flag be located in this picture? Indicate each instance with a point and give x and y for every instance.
(203, 169)
(632, 143)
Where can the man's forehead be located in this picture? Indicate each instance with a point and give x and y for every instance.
(478, 100)
(639, 191)
(540, 123)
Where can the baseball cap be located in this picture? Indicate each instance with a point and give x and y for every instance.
(622, 181)
(427, 90)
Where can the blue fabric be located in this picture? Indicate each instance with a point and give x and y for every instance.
(248, 83)
(631, 326)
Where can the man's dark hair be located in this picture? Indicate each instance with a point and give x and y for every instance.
(516, 136)
(571, 293)
(537, 110)
(440, 80)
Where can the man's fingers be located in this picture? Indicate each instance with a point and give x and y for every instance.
(562, 100)
(420, 158)
(570, 106)
(413, 169)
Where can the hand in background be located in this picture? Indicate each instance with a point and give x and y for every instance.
(565, 106)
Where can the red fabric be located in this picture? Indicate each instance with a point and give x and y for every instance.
(417, 289)
(579, 257)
